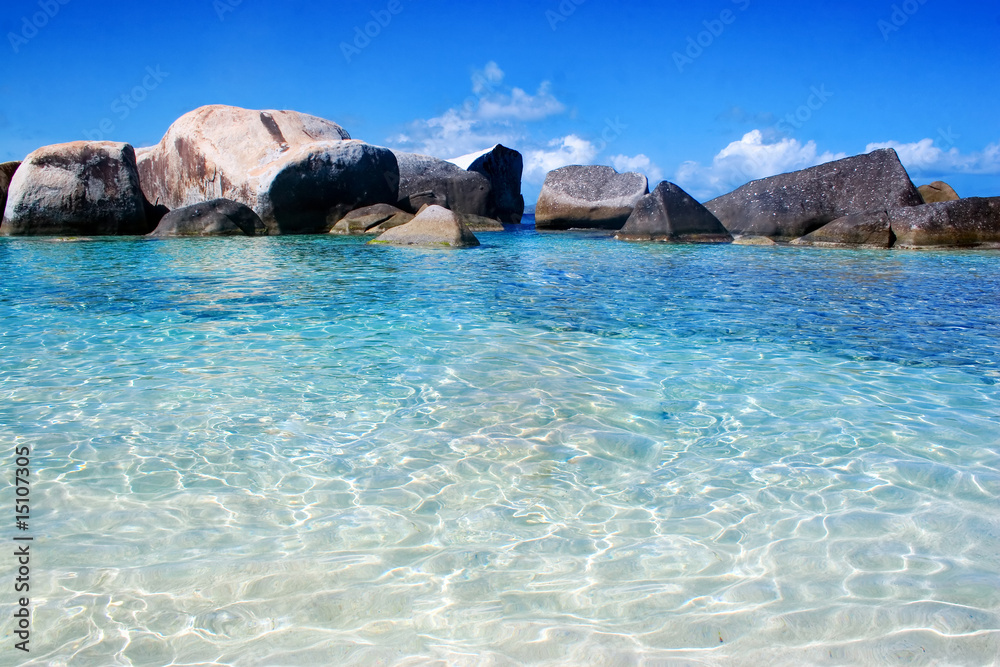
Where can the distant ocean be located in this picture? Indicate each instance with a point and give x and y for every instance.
(549, 450)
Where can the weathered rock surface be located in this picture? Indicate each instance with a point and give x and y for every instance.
(858, 230)
(588, 197)
(82, 188)
(753, 240)
(299, 173)
(7, 170)
(503, 167)
(669, 214)
(371, 220)
(937, 191)
(428, 180)
(970, 222)
(435, 226)
(792, 205)
(219, 217)
(309, 189)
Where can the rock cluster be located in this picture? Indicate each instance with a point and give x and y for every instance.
(226, 171)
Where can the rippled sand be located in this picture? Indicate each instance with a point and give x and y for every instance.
(551, 450)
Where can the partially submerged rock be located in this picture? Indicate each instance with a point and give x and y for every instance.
(435, 226)
(970, 222)
(82, 188)
(431, 181)
(219, 217)
(588, 197)
(858, 230)
(371, 220)
(669, 214)
(938, 191)
(753, 240)
(301, 174)
(503, 168)
(789, 206)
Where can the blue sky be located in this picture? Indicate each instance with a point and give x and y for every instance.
(707, 94)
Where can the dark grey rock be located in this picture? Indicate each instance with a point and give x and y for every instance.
(82, 188)
(371, 220)
(970, 222)
(858, 230)
(669, 214)
(792, 205)
(428, 180)
(503, 167)
(588, 197)
(219, 217)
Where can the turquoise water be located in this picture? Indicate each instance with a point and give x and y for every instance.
(550, 450)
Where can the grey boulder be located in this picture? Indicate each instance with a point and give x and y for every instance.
(858, 230)
(789, 206)
(82, 188)
(371, 220)
(970, 222)
(669, 214)
(435, 226)
(588, 197)
(503, 168)
(429, 180)
(219, 217)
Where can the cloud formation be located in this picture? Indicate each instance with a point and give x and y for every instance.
(561, 152)
(640, 163)
(494, 114)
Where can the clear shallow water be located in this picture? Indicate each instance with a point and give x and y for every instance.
(549, 450)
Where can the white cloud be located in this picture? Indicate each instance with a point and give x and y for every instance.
(923, 158)
(640, 163)
(748, 159)
(519, 105)
(495, 114)
(568, 150)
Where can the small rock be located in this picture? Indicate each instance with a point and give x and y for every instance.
(435, 226)
(938, 191)
(371, 219)
(753, 240)
(219, 217)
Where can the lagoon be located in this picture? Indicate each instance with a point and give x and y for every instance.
(551, 449)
